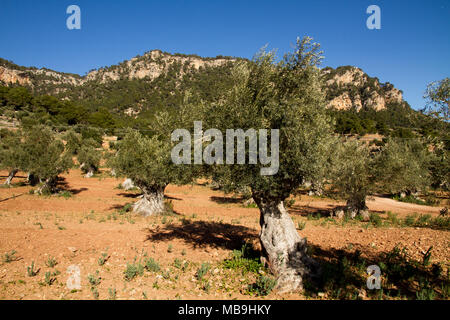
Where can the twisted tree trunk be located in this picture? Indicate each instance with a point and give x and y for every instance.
(358, 206)
(33, 179)
(11, 175)
(152, 201)
(89, 171)
(49, 186)
(283, 250)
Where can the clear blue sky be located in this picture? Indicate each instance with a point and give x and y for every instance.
(411, 49)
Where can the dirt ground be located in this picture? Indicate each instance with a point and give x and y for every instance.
(206, 227)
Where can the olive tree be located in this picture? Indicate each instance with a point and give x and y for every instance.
(89, 158)
(147, 162)
(352, 175)
(12, 155)
(73, 140)
(86, 151)
(438, 97)
(285, 96)
(46, 157)
(402, 166)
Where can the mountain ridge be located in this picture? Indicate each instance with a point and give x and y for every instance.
(347, 87)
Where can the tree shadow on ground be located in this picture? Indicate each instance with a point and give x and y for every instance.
(226, 200)
(344, 275)
(304, 211)
(135, 195)
(204, 234)
(117, 206)
(171, 197)
(63, 185)
(76, 191)
(129, 195)
(126, 207)
(12, 197)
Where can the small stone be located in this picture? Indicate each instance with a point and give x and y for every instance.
(72, 249)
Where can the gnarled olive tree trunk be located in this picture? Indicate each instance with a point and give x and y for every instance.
(48, 187)
(152, 200)
(283, 250)
(11, 175)
(357, 206)
(32, 179)
(88, 170)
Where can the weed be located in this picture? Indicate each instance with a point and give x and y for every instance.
(10, 256)
(206, 286)
(112, 293)
(426, 257)
(30, 270)
(94, 280)
(263, 286)
(289, 203)
(102, 260)
(202, 271)
(95, 293)
(410, 220)
(65, 194)
(133, 270)
(393, 219)
(375, 220)
(178, 263)
(51, 262)
(251, 205)
(301, 225)
(246, 260)
(39, 224)
(166, 274)
(152, 265)
(49, 278)
(126, 208)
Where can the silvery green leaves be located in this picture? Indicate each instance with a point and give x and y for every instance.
(235, 143)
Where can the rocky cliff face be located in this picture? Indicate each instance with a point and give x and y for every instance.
(11, 76)
(151, 65)
(349, 87)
